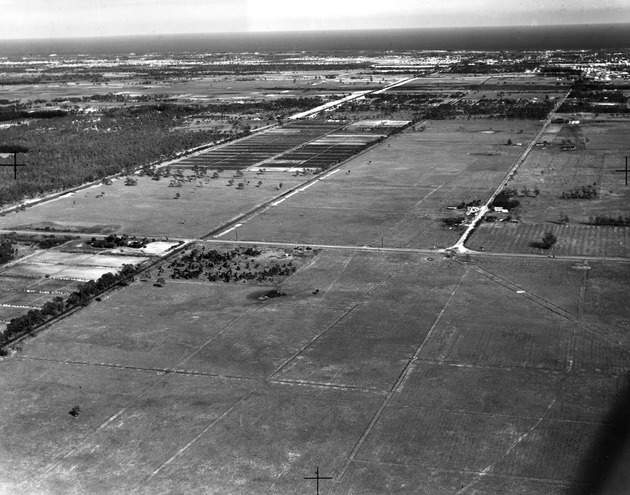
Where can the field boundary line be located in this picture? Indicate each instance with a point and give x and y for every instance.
(541, 301)
(397, 386)
(136, 368)
(334, 386)
(514, 444)
(183, 449)
(131, 401)
(330, 327)
(551, 481)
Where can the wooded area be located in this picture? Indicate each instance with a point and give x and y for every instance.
(68, 151)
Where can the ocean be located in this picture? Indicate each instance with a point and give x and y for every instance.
(569, 37)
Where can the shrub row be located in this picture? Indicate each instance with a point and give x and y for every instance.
(620, 221)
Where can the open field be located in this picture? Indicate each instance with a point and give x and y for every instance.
(403, 374)
(398, 192)
(134, 210)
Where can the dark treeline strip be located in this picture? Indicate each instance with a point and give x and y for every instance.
(619, 221)
(25, 324)
(6, 115)
(580, 106)
(501, 108)
(7, 252)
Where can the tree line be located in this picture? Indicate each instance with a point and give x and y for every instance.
(25, 324)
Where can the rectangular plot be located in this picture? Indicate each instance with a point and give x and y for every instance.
(23, 298)
(442, 439)
(148, 433)
(83, 273)
(481, 342)
(59, 258)
(16, 282)
(553, 450)
(7, 313)
(594, 353)
(270, 442)
(33, 270)
(112, 261)
(513, 391)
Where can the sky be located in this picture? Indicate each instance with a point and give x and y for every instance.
(78, 18)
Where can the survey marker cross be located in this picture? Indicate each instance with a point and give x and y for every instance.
(317, 477)
(13, 150)
(624, 170)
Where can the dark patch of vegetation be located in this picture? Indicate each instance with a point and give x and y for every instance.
(582, 192)
(505, 199)
(236, 265)
(619, 221)
(7, 252)
(273, 293)
(503, 108)
(454, 222)
(547, 241)
(12, 114)
(113, 241)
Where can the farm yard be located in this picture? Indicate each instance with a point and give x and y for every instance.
(303, 311)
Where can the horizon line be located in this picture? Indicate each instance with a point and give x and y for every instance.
(314, 31)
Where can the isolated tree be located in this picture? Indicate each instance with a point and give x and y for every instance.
(548, 240)
(564, 218)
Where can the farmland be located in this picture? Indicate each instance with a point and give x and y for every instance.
(303, 308)
(449, 397)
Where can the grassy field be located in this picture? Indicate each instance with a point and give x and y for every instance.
(132, 210)
(402, 373)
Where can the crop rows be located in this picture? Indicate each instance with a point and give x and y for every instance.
(259, 147)
(573, 240)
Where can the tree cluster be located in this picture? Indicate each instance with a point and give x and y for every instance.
(7, 252)
(506, 199)
(240, 264)
(11, 114)
(583, 192)
(113, 241)
(619, 221)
